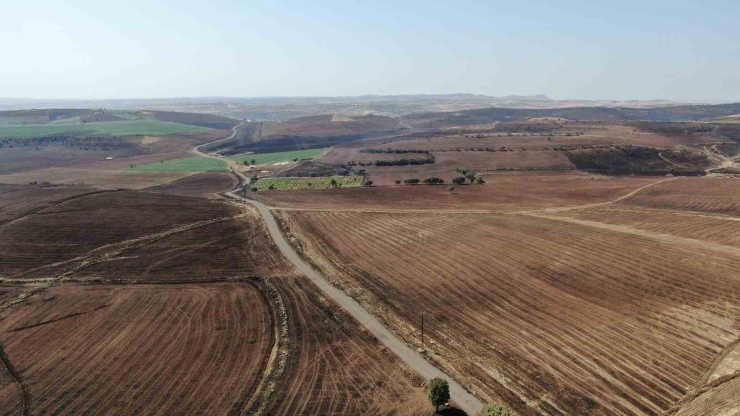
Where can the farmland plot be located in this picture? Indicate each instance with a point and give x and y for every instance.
(711, 195)
(335, 367)
(322, 182)
(510, 191)
(139, 349)
(550, 317)
(59, 232)
(702, 227)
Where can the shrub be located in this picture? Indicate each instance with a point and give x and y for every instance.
(495, 409)
(398, 181)
(271, 187)
(438, 392)
(369, 183)
(479, 180)
(411, 181)
(255, 189)
(460, 180)
(434, 181)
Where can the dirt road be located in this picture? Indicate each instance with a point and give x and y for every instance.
(414, 360)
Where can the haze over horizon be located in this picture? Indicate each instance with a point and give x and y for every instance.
(573, 50)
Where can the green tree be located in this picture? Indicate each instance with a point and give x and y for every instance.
(495, 409)
(253, 161)
(271, 187)
(479, 180)
(369, 183)
(471, 176)
(333, 182)
(398, 181)
(438, 392)
(459, 180)
(255, 189)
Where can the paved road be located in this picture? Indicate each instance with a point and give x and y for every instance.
(411, 358)
(414, 360)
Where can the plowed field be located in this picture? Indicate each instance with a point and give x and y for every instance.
(62, 231)
(207, 184)
(138, 349)
(549, 316)
(336, 368)
(703, 227)
(713, 195)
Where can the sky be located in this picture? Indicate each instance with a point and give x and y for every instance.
(649, 49)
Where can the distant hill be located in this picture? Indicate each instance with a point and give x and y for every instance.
(491, 115)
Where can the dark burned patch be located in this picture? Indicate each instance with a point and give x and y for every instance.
(673, 129)
(314, 169)
(621, 160)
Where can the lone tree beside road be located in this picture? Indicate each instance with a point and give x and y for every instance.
(438, 392)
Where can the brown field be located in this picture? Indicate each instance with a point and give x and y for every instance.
(336, 368)
(177, 142)
(18, 201)
(548, 316)
(318, 126)
(711, 195)
(140, 349)
(110, 179)
(503, 191)
(31, 158)
(592, 135)
(203, 343)
(206, 184)
(446, 163)
(62, 231)
(701, 227)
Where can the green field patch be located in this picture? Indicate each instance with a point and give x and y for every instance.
(188, 164)
(322, 182)
(101, 129)
(278, 157)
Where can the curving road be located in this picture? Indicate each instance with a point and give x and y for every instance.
(465, 400)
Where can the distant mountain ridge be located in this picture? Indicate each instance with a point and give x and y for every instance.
(284, 108)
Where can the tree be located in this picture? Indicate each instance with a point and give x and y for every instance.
(450, 188)
(460, 180)
(253, 161)
(479, 180)
(255, 189)
(495, 409)
(471, 176)
(271, 187)
(333, 182)
(438, 392)
(398, 181)
(369, 183)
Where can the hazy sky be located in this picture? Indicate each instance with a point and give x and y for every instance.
(648, 49)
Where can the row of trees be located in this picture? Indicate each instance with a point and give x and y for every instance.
(470, 175)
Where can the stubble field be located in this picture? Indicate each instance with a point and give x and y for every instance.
(549, 316)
